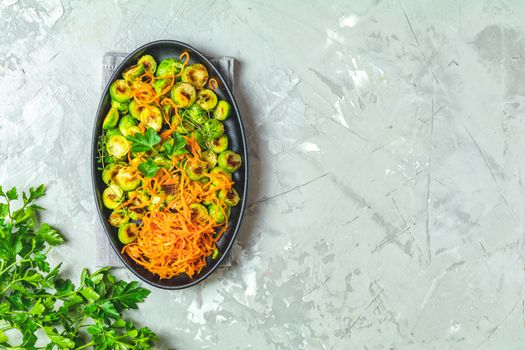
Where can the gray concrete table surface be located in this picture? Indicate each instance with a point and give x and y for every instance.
(386, 142)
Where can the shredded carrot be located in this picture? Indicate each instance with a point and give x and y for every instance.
(186, 56)
(213, 84)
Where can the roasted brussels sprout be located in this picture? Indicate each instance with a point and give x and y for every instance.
(128, 233)
(109, 172)
(112, 196)
(168, 66)
(112, 132)
(128, 178)
(218, 213)
(210, 158)
(138, 197)
(168, 108)
(136, 213)
(117, 146)
(195, 170)
(183, 94)
(222, 111)
(160, 85)
(221, 171)
(151, 117)
(162, 162)
(120, 91)
(135, 109)
(133, 73)
(220, 144)
(148, 63)
(125, 124)
(111, 119)
(213, 129)
(206, 99)
(121, 106)
(199, 212)
(195, 74)
(229, 161)
(230, 198)
(118, 217)
(196, 114)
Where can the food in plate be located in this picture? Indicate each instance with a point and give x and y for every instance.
(165, 158)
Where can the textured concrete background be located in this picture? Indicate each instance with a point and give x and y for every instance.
(386, 206)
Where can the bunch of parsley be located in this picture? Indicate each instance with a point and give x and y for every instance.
(51, 312)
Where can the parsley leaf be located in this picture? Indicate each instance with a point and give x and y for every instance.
(148, 168)
(177, 147)
(144, 142)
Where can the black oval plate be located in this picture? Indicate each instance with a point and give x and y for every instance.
(234, 129)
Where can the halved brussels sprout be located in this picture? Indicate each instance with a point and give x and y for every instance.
(128, 178)
(109, 172)
(128, 233)
(138, 197)
(112, 132)
(206, 99)
(121, 106)
(229, 161)
(117, 146)
(160, 85)
(133, 73)
(112, 196)
(195, 170)
(218, 213)
(222, 111)
(196, 114)
(221, 171)
(220, 144)
(151, 117)
(135, 109)
(148, 63)
(230, 198)
(133, 130)
(199, 212)
(126, 123)
(162, 162)
(213, 129)
(168, 108)
(210, 158)
(136, 213)
(195, 74)
(111, 119)
(120, 91)
(118, 217)
(183, 94)
(168, 66)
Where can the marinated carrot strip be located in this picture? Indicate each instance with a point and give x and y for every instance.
(213, 84)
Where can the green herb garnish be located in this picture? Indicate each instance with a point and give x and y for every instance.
(33, 296)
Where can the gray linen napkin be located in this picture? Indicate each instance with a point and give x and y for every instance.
(105, 254)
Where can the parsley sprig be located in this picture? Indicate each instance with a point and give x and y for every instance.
(146, 143)
(34, 297)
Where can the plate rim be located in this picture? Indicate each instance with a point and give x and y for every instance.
(94, 170)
